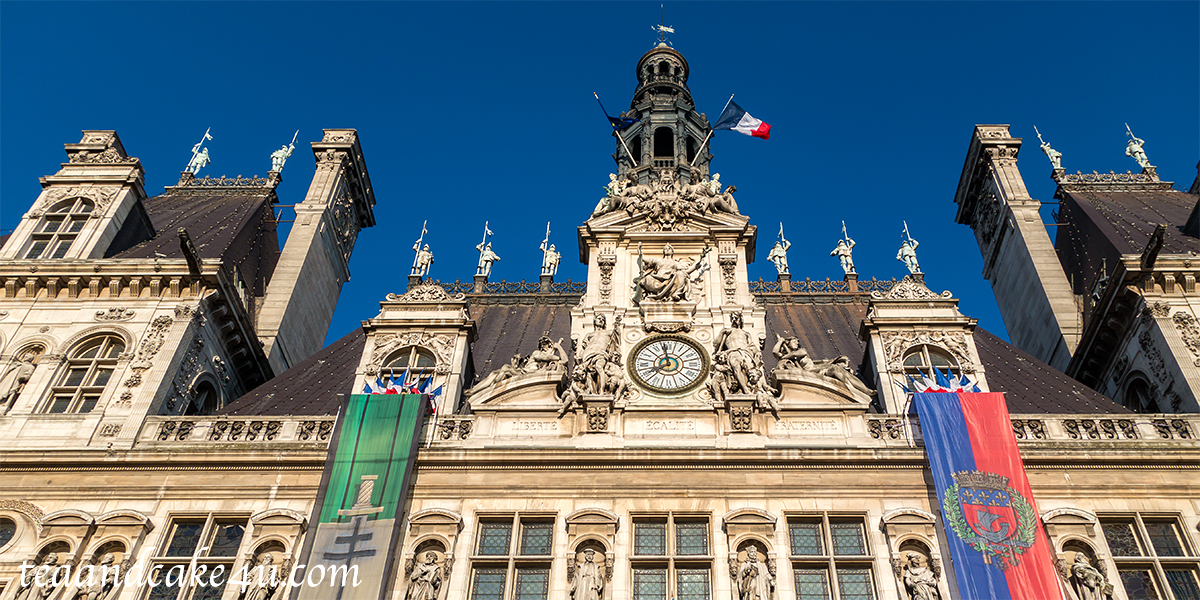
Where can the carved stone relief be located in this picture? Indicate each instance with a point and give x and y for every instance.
(100, 196)
(119, 313)
(442, 346)
(910, 289)
(1189, 330)
(919, 574)
(606, 263)
(151, 343)
(426, 292)
(896, 343)
(1153, 357)
(987, 217)
(728, 277)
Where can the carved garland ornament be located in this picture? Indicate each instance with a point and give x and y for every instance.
(728, 275)
(1146, 341)
(108, 156)
(151, 344)
(441, 344)
(896, 343)
(606, 263)
(910, 289)
(426, 292)
(119, 313)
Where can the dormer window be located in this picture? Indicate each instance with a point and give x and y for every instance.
(59, 228)
(924, 359)
(90, 366)
(417, 361)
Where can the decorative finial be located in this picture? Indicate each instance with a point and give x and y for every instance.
(661, 28)
(1054, 155)
(908, 252)
(486, 256)
(778, 254)
(424, 258)
(280, 156)
(550, 256)
(199, 155)
(845, 250)
(1134, 149)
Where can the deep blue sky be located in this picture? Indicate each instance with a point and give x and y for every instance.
(474, 111)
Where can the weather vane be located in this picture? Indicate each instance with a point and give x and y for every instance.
(661, 28)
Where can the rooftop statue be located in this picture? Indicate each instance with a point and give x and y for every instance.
(486, 258)
(550, 256)
(423, 262)
(199, 155)
(1134, 149)
(1054, 155)
(908, 252)
(845, 251)
(778, 254)
(665, 279)
(280, 156)
(549, 356)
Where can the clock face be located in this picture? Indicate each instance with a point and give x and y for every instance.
(668, 363)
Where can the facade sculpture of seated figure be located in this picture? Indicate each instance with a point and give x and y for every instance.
(793, 357)
(666, 279)
(549, 356)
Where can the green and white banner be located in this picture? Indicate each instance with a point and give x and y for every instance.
(359, 510)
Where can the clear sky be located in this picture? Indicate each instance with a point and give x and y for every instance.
(474, 111)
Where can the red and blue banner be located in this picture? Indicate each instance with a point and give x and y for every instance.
(997, 545)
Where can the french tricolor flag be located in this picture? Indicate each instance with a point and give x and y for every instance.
(735, 118)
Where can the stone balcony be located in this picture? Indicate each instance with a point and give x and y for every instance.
(242, 431)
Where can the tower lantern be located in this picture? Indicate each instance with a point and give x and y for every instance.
(669, 132)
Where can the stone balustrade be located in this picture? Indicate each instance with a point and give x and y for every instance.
(899, 429)
(238, 430)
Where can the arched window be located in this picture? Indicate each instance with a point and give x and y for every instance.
(691, 150)
(89, 367)
(58, 229)
(8, 530)
(664, 142)
(924, 359)
(1138, 397)
(417, 361)
(637, 150)
(205, 400)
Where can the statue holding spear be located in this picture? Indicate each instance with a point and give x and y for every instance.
(280, 156)
(424, 258)
(1054, 155)
(908, 252)
(845, 251)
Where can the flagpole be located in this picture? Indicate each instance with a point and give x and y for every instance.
(710, 133)
(633, 161)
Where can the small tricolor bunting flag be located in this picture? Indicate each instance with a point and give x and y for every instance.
(735, 118)
(997, 545)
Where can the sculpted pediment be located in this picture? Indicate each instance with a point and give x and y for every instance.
(688, 220)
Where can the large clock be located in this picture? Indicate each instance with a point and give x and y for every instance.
(668, 363)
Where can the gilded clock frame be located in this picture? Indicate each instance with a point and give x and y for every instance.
(705, 360)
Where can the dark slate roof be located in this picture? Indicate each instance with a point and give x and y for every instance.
(1032, 386)
(506, 330)
(309, 388)
(825, 330)
(238, 228)
(1128, 218)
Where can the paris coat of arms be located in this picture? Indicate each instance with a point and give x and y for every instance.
(990, 516)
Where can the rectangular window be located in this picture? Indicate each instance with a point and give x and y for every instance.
(535, 538)
(1153, 556)
(692, 584)
(35, 251)
(806, 538)
(209, 543)
(855, 584)
(649, 584)
(504, 570)
(650, 539)
(822, 546)
(1164, 538)
(812, 584)
(488, 584)
(1139, 584)
(691, 539)
(532, 584)
(848, 539)
(494, 538)
(1121, 538)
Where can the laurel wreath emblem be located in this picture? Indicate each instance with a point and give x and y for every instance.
(1005, 554)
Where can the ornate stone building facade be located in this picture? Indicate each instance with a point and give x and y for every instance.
(668, 429)
(1112, 300)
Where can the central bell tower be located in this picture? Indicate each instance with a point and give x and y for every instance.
(669, 132)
